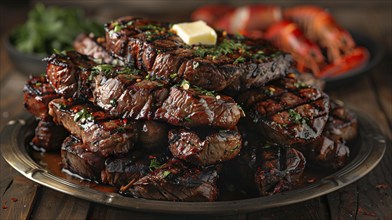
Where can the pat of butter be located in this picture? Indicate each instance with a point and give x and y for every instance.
(197, 32)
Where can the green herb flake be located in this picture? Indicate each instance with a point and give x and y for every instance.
(166, 173)
(62, 106)
(56, 51)
(240, 59)
(301, 85)
(188, 119)
(296, 117)
(38, 84)
(154, 164)
(173, 75)
(83, 116)
(113, 102)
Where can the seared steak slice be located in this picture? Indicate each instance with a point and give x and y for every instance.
(94, 127)
(37, 94)
(176, 181)
(120, 171)
(69, 74)
(326, 153)
(49, 136)
(152, 46)
(342, 123)
(287, 111)
(280, 170)
(93, 47)
(153, 135)
(77, 159)
(214, 147)
(190, 108)
(129, 96)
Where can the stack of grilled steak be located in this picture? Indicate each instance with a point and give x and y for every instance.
(141, 110)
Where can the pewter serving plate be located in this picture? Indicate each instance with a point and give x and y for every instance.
(369, 149)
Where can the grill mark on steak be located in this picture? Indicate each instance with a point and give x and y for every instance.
(286, 111)
(280, 170)
(214, 147)
(152, 46)
(77, 159)
(37, 93)
(94, 127)
(120, 171)
(176, 181)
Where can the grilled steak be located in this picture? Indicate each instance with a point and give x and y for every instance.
(153, 135)
(120, 171)
(49, 136)
(93, 47)
(69, 74)
(280, 170)
(287, 111)
(325, 153)
(37, 94)
(151, 46)
(190, 108)
(342, 123)
(176, 181)
(128, 96)
(94, 127)
(204, 149)
(77, 159)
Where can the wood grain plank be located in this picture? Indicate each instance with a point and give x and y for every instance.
(52, 204)
(99, 211)
(18, 200)
(311, 209)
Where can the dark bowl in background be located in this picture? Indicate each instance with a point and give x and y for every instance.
(28, 64)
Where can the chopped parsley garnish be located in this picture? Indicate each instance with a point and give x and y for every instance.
(227, 46)
(38, 84)
(63, 52)
(240, 59)
(296, 117)
(166, 173)
(300, 85)
(62, 106)
(152, 28)
(173, 75)
(154, 164)
(259, 55)
(83, 116)
(113, 102)
(188, 119)
(108, 69)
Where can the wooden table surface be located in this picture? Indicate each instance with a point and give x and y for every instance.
(368, 198)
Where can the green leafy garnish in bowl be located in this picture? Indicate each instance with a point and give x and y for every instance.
(52, 27)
